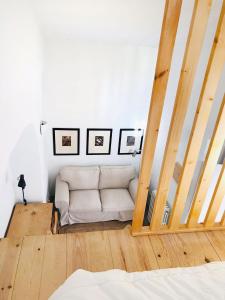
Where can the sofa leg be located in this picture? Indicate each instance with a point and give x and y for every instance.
(55, 227)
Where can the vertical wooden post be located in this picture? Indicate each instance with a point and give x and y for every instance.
(211, 81)
(222, 223)
(167, 41)
(193, 49)
(212, 157)
(216, 200)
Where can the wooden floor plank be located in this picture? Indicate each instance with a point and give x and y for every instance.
(76, 253)
(54, 265)
(164, 251)
(206, 247)
(98, 251)
(9, 257)
(29, 271)
(193, 249)
(217, 239)
(117, 251)
(26, 271)
(146, 253)
(181, 250)
(131, 254)
(129, 250)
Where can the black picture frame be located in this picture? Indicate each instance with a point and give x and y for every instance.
(99, 129)
(68, 129)
(120, 139)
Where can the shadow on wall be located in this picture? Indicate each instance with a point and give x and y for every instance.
(26, 158)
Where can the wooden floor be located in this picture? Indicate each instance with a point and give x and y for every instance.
(30, 219)
(34, 266)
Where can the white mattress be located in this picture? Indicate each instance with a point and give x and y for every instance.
(202, 282)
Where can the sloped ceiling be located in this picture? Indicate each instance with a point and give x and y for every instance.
(125, 21)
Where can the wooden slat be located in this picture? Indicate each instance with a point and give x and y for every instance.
(210, 84)
(177, 172)
(166, 46)
(9, 257)
(55, 224)
(192, 53)
(54, 265)
(29, 271)
(217, 198)
(210, 162)
(184, 229)
(223, 220)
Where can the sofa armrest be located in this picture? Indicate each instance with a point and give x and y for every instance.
(62, 199)
(133, 185)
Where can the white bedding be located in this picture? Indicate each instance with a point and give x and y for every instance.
(202, 282)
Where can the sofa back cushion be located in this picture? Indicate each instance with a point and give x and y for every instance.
(114, 177)
(81, 177)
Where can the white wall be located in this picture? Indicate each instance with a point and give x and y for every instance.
(95, 85)
(124, 21)
(20, 99)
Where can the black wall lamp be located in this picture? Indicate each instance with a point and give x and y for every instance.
(22, 184)
(42, 123)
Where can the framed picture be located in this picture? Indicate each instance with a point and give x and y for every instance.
(130, 141)
(99, 141)
(66, 141)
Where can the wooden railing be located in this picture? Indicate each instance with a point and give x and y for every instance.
(185, 174)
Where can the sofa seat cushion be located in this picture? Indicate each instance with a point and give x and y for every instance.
(85, 201)
(116, 200)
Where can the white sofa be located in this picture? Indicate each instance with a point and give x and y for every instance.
(87, 194)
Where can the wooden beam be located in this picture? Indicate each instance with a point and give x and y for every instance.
(217, 198)
(177, 172)
(223, 220)
(212, 157)
(147, 231)
(192, 53)
(166, 46)
(208, 92)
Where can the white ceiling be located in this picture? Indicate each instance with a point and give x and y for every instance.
(124, 21)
